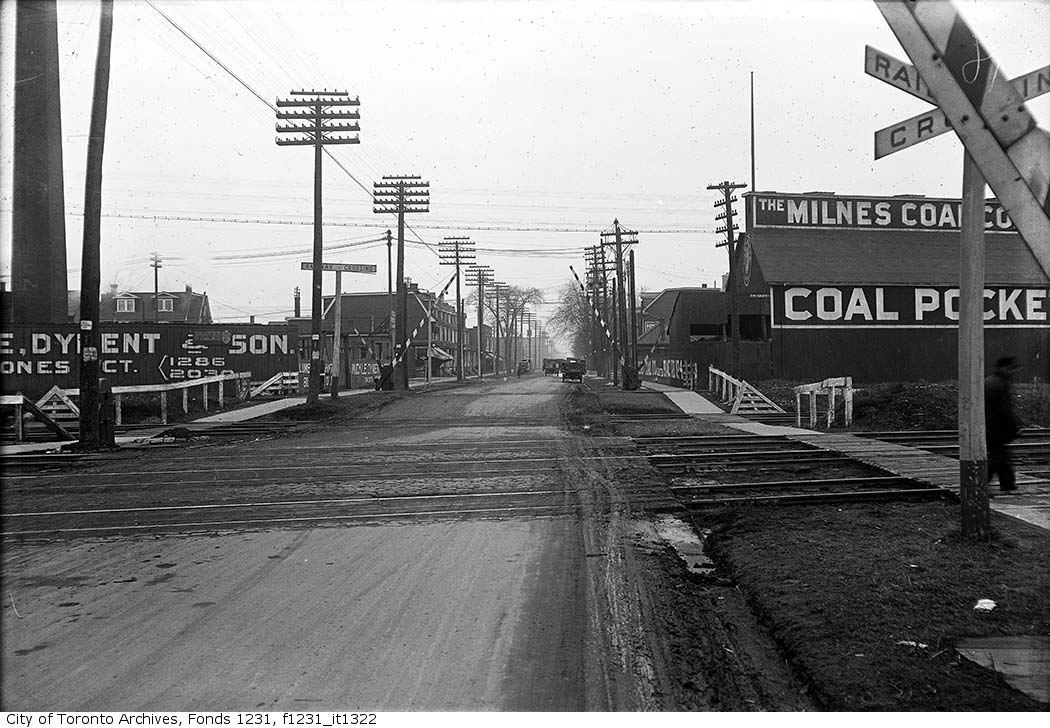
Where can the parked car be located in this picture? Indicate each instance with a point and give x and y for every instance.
(524, 366)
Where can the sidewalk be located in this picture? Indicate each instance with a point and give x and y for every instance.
(1029, 503)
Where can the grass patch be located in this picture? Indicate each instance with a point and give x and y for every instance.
(840, 586)
(912, 405)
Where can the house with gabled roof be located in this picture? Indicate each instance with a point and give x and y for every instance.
(163, 307)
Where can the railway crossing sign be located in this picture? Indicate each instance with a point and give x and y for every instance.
(342, 267)
(932, 123)
(983, 108)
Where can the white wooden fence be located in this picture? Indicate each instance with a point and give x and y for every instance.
(744, 397)
(829, 388)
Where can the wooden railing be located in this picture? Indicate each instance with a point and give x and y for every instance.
(57, 400)
(744, 397)
(829, 388)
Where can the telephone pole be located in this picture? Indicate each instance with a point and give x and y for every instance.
(156, 266)
(391, 315)
(726, 188)
(457, 251)
(317, 120)
(478, 275)
(623, 349)
(498, 288)
(90, 272)
(401, 194)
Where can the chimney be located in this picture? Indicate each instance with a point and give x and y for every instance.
(298, 307)
(113, 289)
(189, 288)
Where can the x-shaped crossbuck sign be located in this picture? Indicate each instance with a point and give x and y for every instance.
(933, 123)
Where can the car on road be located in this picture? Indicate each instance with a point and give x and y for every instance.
(552, 366)
(573, 369)
(524, 366)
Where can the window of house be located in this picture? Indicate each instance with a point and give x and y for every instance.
(165, 304)
(364, 353)
(125, 305)
(700, 332)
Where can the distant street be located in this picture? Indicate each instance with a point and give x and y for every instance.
(435, 557)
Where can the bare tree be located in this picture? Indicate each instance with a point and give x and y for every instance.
(571, 319)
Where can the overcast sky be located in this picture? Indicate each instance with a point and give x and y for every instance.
(520, 114)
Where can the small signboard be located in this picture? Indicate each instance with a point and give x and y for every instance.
(343, 267)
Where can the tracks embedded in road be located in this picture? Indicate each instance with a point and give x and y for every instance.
(713, 470)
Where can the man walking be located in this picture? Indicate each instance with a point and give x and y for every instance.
(999, 421)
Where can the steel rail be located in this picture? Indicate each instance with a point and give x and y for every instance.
(207, 525)
(804, 484)
(819, 498)
(286, 503)
(300, 467)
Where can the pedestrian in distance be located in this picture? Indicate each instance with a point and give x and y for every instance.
(999, 421)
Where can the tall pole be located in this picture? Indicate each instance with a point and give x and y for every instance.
(156, 266)
(753, 188)
(401, 370)
(391, 317)
(481, 323)
(726, 188)
(401, 194)
(973, 447)
(90, 273)
(338, 343)
(496, 288)
(430, 335)
(457, 251)
(317, 122)
(634, 317)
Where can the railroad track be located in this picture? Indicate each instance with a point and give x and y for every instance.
(706, 471)
(296, 511)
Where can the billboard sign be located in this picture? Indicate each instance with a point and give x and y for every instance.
(35, 357)
(912, 307)
(811, 211)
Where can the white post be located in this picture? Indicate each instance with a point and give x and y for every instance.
(118, 401)
(849, 401)
(813, 408)
(831, 405)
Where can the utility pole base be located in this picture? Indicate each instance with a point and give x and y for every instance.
(973, 492)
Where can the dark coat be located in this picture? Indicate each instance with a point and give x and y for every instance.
(999, 420)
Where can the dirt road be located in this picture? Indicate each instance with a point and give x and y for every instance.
(365, 568)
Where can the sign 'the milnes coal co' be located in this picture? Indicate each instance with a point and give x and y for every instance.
(868, 213)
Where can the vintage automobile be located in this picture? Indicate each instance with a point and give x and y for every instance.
(573, 369)
(552, 366)
(524, 366)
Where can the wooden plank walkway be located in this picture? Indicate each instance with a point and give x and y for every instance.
(1023, 660)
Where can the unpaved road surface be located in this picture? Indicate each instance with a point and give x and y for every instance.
(457, 550)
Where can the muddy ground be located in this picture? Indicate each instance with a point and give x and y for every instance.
(836, 587)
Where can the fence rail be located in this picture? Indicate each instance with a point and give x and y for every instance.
(830, 389)
(744, 397)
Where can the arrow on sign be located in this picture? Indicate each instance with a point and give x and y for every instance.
(933, 123)
(160, 367)
(985, 111)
